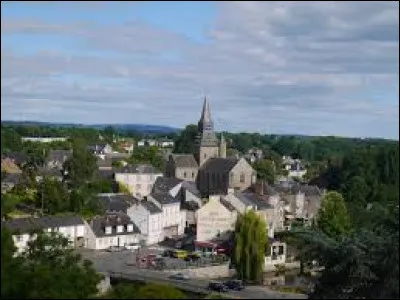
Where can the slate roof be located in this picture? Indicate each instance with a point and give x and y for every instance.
(12, 178)
(255, 200)
(50, 172)
(190, 205)
(17, 157)
(191, 187)
(106, 174)
(184, 160)
(140, 169)
(104, 163)
(59, 155)
(26, 225)
(219, 165)
(164, 198)
(116, 202)
(99, 223)
(150, 207)
(225, 203)
(308, 190)
(164, 184)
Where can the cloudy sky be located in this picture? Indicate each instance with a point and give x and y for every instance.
(317, 68)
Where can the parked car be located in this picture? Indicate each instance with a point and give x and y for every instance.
(168, 253)
(217, 287)
(179, 276)
(236, 285)
(179, 254)
(115, 249)
(192, 257)
(132, 246)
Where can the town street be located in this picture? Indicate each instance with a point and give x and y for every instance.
(122, 264)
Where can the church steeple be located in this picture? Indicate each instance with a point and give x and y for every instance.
(205, 121)
(207, 142)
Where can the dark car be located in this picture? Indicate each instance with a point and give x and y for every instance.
(217, 287)
(168, 253)
(192, 257)
(236, 285)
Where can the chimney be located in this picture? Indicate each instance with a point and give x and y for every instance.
(262, 188)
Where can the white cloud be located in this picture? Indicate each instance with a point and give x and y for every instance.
(300, 67)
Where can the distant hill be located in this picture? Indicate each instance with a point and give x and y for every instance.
(142, 128)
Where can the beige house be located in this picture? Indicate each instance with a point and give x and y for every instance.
(181, 166)
(139, 179)
(214, 218)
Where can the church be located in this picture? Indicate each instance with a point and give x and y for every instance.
(209, 166)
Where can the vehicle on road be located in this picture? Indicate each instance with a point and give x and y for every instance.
(115, 249)
(133, 246)
(217, 287)
(168, 253)
(179, 276)
(179, 254)
(236, 285)
(192, 257)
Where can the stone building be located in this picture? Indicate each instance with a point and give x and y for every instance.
(208, 165)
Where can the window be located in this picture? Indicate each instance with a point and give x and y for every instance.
(108, 230)
(192, 174)
(138, 186)
(120, 228)
(280, 250)
(205, 156)
(18, 238)
(242, 178)
(184, 174)
(232, 177)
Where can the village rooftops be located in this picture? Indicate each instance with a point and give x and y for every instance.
(164, 184)
(113, 220)
(184, 160)
(116, 202)
(140, 169)
(164, 198)
(219, 165)
(27, 225)
(151, 207)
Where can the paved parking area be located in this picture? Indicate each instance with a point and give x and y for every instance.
(120, 261)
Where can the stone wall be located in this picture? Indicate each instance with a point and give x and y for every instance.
(205, 272)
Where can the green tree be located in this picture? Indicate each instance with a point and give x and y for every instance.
(266, 170)
(361, 265)
(333, 218)
(81, 167)
(150, 155)
(186, 140)
(52, 196)
(250, 246)
(49, 269)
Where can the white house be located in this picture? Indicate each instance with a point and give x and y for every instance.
(277, 255)
(173, 220)
(214, 218)
(138, 178)
(23, 229)
(44, 139)
(166, 143)
(148, 217)
(113, 229)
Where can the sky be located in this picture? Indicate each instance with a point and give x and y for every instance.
(312, 68)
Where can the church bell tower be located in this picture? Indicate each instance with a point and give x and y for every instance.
(207, 144)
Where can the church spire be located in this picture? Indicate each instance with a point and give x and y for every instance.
(206, 113)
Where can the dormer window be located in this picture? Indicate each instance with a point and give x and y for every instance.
(120, 228)
(108, 230)
(129, 228)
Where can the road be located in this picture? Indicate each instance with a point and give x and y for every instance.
(121, 264)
